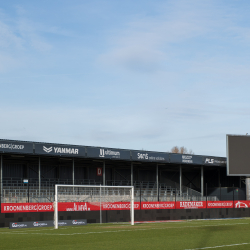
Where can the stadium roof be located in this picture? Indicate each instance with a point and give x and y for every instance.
(102, 153)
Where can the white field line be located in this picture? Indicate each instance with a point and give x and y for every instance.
(232, 245)
(115, 231)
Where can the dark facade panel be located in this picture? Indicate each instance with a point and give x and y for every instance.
(16, 147)
(238, 148)
(108, 153)
(59, 150)
(150, 156)
(186, 159)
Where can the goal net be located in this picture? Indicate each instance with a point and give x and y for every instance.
(96, 197)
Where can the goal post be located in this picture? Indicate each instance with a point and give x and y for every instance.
(96, 196)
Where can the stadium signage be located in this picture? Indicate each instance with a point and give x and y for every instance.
(190, 204)
(16, 147)
(149, 156)
(63, 150)
(95, 206)
(214, 161)
(108, 153)
(49, 223)
(185, 159)
(26, 207)
(157, 205)
(220, 204)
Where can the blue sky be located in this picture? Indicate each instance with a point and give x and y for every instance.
(129, 74)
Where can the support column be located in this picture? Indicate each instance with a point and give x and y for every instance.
(73, 171)
(247, 188)
(132, 174)
(202, 181)
(103, 174)
(39, 176)
(1, 179)
(180, 180)
(157, 180)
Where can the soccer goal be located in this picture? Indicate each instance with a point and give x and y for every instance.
(94, 198)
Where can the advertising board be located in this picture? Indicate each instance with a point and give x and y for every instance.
(16, 147)
(60, 150)
(185, 159)
(108, 153)
(150, 156)
(50, 223)
(105, 206)
(26, 207)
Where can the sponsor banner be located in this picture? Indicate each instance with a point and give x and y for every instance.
(214, 161)
(16, 147)
(26, 207)
(58, 149)
(119, 205)
(95, 206)
(29, 224)
(78, 206)
(220, 204)
(50, 223)
(108, 153)
(186, 159)
(149, 156)
(80, 222)
(190, 204)
(241, 204)
(158, 205)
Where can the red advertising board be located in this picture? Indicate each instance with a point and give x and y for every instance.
(241, 204)
(220, 204)
(95, 206)
(158, 205)
(190, 204)
(26, 207)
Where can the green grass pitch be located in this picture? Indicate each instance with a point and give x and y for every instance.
(199, 234)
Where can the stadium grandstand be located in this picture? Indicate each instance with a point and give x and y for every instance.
(30, 170)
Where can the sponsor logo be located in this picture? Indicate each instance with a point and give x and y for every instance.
(108, 152)
(142, 156)
(158, 206)
(47, 150)
(145, 156)
(62, 223)
(23, 207)
(187, 158)
(59, 150)
(75, 222)
(78, 208)
(210, 161)
(214, 161)
(191, 204)
(18, 225)
(12, 146)
(37, 224)
(220, 204)
(240, 204)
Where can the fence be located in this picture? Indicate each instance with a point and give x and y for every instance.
(15, 191)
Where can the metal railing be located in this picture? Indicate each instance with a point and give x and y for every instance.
(15, 191)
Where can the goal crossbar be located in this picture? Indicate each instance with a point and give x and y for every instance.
(99, 188)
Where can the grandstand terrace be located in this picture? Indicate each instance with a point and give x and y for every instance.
(30, 170)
